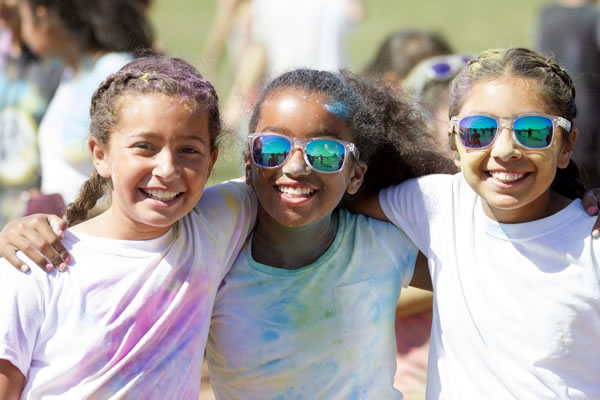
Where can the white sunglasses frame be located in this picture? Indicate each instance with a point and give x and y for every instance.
(299, 143)
(508, 123)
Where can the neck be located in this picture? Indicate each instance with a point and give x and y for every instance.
(287, 247)
(546, 205)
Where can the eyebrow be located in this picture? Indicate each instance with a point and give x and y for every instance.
(150, 135)
(284, 131)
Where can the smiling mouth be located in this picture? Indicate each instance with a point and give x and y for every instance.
(296, 191)
(507, 177)
(162, 195)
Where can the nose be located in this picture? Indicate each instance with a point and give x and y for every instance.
(504, 147)
(166, 167)
(296, 164)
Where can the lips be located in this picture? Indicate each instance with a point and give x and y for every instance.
(162, 195)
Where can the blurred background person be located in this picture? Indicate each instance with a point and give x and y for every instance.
(401, 50)
(429, 82)
(570, 31)
(287, 34)
(93, 39)
(229, 35)
(26, 86)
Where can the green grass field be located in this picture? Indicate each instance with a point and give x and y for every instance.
(469, 25)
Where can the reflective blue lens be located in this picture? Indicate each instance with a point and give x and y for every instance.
(270, 150)
(325, 155)
(477, 131)
(534, 131)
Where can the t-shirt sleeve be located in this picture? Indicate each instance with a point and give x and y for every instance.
(417, 205)
(21, 296)
(230, 210)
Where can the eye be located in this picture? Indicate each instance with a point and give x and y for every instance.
(189, 150)
(143, 148)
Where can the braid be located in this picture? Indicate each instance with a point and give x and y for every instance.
(91, 191)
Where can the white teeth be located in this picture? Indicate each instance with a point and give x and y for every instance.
(163, 195)
(506, 176)
(296, 191)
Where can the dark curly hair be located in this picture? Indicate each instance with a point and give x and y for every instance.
(556, 89)
(390, 133)
(104, 25)
(153, 74)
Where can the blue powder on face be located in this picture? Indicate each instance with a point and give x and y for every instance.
(339, 109)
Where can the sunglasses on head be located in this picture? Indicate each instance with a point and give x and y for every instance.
(272, 150)
(531, 131)
(435, 69)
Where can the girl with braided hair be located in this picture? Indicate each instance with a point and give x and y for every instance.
(92, 39)
(514, 268)
(130, 319)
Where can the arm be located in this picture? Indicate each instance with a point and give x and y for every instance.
(12, 381)
(224, 17)
(247, 77)
(34, 236)
(369, 207)
(413, 301)
(421, 278)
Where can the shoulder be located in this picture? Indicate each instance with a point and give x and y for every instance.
(382, 232)
(16, 286)
(233, 195)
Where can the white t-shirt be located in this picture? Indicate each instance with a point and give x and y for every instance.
(64, 155)
(324, 331)
(306, 33)
(129, 318)
(516, 307)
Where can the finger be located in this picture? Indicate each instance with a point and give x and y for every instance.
(26, 247)
(45, 243)
(50, 244)
(58, 225)
(16, 261)
(590, 202)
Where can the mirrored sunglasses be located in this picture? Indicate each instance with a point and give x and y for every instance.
(270, 150)
(531, 131)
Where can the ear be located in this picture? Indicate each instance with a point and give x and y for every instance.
(454, 149)
(359, 168)
(213, 159)
(248, 170)
(568, 146)
(99, 157)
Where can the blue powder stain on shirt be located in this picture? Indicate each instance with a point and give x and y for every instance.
(270, 336)
(339, 109)
(280, 318)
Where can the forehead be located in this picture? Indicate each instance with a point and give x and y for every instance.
(505, 96)
(156, 112)
(300, 113)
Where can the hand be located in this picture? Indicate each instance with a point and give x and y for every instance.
(591, 200)
(35, 237)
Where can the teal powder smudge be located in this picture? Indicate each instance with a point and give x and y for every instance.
(339, 109)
